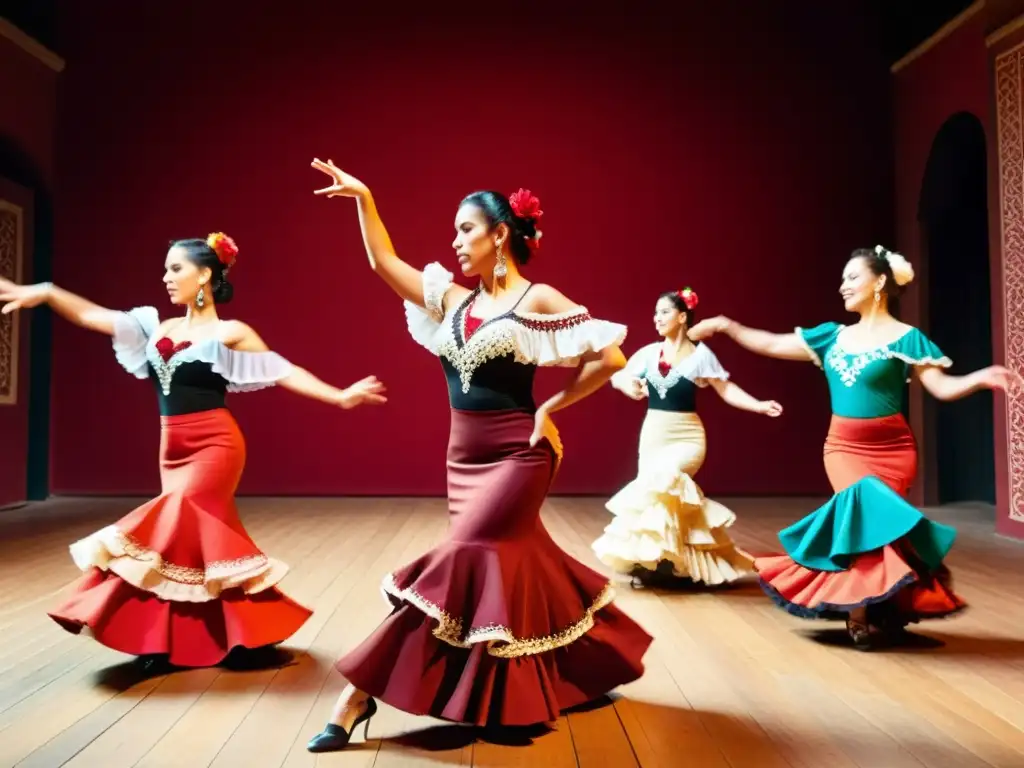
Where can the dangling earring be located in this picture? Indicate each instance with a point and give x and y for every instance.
(201, 298)
(878, 297)
(500, 267)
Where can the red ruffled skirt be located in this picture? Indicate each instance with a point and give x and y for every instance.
(877, 548)
(497, 625)
(179, 576)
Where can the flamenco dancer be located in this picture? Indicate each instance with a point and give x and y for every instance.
(663, 524)
(867, 555)
(179, 580)
(496, 625)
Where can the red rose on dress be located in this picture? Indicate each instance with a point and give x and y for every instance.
(526, 205)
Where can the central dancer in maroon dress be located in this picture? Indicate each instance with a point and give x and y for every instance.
(496, 625)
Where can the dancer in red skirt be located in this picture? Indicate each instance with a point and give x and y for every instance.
(179, 579)
(866, 556)
(496, 625)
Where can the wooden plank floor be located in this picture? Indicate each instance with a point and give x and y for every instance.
(731, 681)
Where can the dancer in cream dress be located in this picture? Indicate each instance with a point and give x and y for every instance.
(663, 524)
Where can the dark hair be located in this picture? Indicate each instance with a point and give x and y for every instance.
(679, 304)
(202, 255)
(879, 266)
(498, 210)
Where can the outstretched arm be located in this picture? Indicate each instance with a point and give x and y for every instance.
(943, 386)
(242, 338)
(405, 280)
(68, 305)
(737, 397)
(784, 346)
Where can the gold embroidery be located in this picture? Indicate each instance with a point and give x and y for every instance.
(501, 642)
(218, 570)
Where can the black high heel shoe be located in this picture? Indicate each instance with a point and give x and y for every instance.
(333, 737)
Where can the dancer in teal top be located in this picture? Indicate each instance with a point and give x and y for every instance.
(867, 555)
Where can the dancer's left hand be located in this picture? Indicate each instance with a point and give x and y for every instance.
(998, 377)
(544, 427)
(368, 391)
(771, 408)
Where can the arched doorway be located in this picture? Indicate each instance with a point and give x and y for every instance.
(18, 167)
(953, 214)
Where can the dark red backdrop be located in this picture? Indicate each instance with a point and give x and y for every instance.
(742, 149)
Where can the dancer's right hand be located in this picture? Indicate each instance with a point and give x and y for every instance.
(993, 377)
(21, 296)
(635, 388)
(344, 184)
(368, 391)
(705, 329)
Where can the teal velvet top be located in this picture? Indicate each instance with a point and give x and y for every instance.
(868, 384)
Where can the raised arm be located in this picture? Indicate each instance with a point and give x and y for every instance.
(405, 280)
(943, 386)
(784, 346)
(68, 305)
(240, 337)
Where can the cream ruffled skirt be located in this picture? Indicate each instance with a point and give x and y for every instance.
(662, 515)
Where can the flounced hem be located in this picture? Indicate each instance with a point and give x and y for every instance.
(110, 549)
(712, 565)
(501, 642)
(123, 617)
(835, 611)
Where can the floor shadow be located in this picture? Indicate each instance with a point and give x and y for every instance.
(917, 640)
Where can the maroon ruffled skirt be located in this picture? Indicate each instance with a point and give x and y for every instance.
(497, 625)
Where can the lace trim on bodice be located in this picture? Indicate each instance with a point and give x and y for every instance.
(135, 347)
(532, 339)
(700, 367)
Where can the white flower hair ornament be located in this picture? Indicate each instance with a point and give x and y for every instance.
(902, 272)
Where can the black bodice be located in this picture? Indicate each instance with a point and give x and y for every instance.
(194, 388)
(497, 385)
(681, 397)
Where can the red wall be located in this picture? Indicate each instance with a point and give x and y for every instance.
(28, 96)
(744, 159)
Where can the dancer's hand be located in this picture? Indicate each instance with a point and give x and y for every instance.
(635, 388)
(21, 296)
(770, 408)
(705, 329)
(368, 391)
(344, 185)
(544, 427)
(993, 377)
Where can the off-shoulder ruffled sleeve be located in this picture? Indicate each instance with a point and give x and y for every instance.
(423, 323)
(636, 366)
(562, 339)
(818, 339)
(132, 330)
(250, 371)
(707, 367)
(914, 348)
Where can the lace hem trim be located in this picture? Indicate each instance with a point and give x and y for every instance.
(111, 549)
(501, 642)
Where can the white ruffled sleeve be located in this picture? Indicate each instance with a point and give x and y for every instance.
(250, 371)
(562, 339)
(424, 323)
(635, 368)
(706, 367)
(132, 330)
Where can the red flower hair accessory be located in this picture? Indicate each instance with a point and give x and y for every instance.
(689, 297)
(224, 247)
(526, 205)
